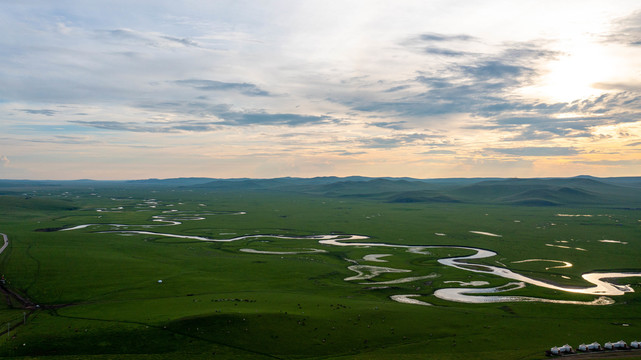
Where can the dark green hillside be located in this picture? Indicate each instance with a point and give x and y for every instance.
(554, 196)
(279, 184)
(631, 181)
(546, 192)
(421, 196)
(240, 184)
(175, 182)
(26, 203)
(370, 187)
(528, 192)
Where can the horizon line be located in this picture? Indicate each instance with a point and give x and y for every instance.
(324, 176)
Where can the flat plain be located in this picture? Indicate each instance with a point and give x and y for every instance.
(194, 269)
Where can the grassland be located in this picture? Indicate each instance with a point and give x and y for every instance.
(216, 300)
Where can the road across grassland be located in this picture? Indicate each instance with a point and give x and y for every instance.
(14, 297)
(24, 302)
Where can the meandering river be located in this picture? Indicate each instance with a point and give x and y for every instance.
(600, 285)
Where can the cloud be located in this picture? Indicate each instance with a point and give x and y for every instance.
(487, 89)
(396, 88)
(627, 30)
(439, 152)
(496, 70)
(394, 141)
(544, 122)
(536, 151)
(146, 38)
(223, 118)
(629, 86)
(394, 125)
(154, 127)
(126, 34)
(127, 126)
(634, 144)
(498, 166)
(46, 112)
(213, 85)
(632, 162)
(425, 44)
(435, 82)
(261, 118)
(182, 41)
(483, 87)
(4, 161)
(545, 127)
(436, 37)
(445, 52)
(223, 114)
(607, 103)
(63, 139)
(350, 153)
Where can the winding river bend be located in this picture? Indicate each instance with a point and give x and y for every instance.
(601, 286)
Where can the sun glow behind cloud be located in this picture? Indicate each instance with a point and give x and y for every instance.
(576, 73)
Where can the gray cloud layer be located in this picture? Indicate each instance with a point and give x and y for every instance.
(479, 87)
(437, 37)
(224, 117)
(46, 112)
(213, 85)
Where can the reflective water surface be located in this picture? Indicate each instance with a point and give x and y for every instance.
(600, 285)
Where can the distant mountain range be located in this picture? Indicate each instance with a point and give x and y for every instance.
(580, 190)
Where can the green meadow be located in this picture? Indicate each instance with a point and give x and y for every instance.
(104, 293)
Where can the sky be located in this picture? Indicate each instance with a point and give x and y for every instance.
(113, 90)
